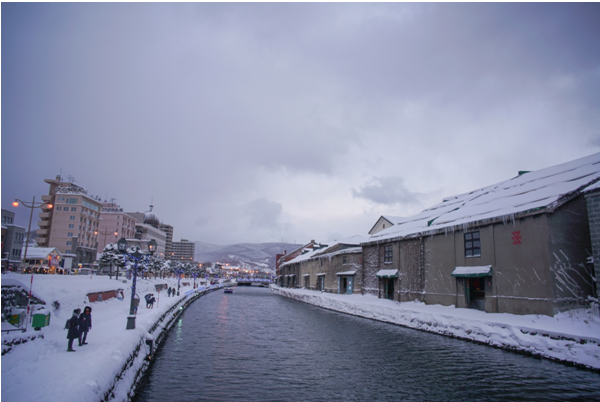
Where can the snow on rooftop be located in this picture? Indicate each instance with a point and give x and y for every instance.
(542, 189)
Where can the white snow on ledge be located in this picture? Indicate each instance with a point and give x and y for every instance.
(573, 336)
(388, 273)
(485, 269)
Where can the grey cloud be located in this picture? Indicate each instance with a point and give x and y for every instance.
(263, 214)
(202, 106)
(387, 190)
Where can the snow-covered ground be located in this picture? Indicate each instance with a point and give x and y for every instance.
(571, 336)
(43, 370)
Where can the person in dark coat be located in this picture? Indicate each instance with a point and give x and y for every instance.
(151, 301)
(169, 292)
(73, 327)
(85, 324)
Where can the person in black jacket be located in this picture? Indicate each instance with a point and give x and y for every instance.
(73, 327)
(85, 324)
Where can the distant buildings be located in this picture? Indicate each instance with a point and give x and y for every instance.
(13, 240)
(79, 226)
(183, 251)
(147, 228)
(114, 224)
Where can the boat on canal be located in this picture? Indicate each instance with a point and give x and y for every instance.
(228, 290)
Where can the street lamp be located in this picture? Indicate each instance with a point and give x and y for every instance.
(137, 258)
(32, 205)
(178, 272)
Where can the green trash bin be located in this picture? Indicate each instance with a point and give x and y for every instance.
(40, 320)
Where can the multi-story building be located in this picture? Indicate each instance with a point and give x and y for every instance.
(146, 229)
(183, 250)
(114, 224)
(168, 229)
(13, 240)
(72, 225)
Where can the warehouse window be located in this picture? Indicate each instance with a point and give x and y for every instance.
(472, 244)
(388, 254)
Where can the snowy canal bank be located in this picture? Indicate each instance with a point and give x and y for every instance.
(572, 337)
(112, 362)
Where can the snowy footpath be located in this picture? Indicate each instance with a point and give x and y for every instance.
(572, 337)
(108, 367)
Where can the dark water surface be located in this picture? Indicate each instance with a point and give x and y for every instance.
(253, 345)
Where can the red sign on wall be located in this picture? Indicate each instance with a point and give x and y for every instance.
(516, 237)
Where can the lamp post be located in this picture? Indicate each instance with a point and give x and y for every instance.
(137, 258)
(178, 272)
(31, 205)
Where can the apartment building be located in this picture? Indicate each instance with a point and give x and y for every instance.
(168, 229)
(183, 250)
(115, 224)
(72, 225)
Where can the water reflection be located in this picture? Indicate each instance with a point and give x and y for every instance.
(255, 346)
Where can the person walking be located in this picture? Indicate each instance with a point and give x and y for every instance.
(72, 326)
(169, 292)
(151, 301)
(85, 324)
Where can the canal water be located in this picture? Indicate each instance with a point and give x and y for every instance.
(252, 345)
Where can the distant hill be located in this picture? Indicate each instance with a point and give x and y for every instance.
(251, 255)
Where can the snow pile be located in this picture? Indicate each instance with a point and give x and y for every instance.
(42, 370)
(570, 337)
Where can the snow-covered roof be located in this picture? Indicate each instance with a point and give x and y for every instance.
(346, 273)
(312, 253)
(40, 252)
(543, 191)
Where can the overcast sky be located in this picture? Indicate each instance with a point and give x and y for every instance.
(270, 122)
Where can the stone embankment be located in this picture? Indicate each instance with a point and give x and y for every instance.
(138, 362)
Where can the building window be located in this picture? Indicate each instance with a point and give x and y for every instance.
(72, 201)
(472, 244)
(70, 234)
(388, 254)
(344, 260)
(59, 208)
(67, 251)
(73, 209)
(72, 217)
(69, 243)
(71, 226)
(61, 198)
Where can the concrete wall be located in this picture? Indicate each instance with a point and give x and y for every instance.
(521, 266)
(440, 261)
(411, 273)
(373, 262)
(593, 208)
(570, 248)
